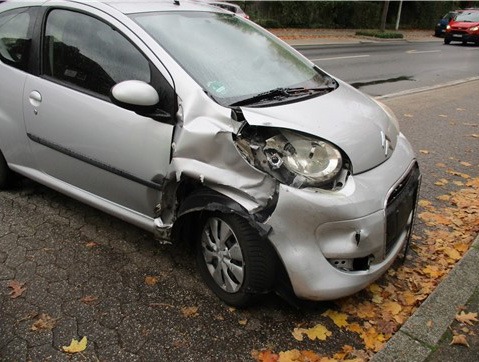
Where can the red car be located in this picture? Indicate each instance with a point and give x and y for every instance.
(464, 28)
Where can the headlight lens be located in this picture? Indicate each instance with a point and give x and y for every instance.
(317, 161)
(448, 27)
(475, 28)
(293, 158)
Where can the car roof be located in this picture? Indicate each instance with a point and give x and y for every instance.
(135, 6)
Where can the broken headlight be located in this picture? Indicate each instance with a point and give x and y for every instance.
(292, 158)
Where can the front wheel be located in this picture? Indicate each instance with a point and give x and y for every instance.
(235, 262)
(447, 40)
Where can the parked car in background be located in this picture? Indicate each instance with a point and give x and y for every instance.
(464, 28)
(441, 25)
(198, 125)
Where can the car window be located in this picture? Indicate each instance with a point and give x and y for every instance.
(15, 38)
(468, 17)
(88, 53)
(230, 58)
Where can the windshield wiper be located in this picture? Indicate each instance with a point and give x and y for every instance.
(282, 93)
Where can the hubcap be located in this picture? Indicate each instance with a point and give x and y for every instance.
(222, 254)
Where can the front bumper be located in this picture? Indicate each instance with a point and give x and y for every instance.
(462, 36)
(334, 243)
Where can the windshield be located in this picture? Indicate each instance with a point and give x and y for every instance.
(471, 17)
(230, 58)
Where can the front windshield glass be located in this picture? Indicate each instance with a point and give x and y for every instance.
(471, 17)
(230, 58)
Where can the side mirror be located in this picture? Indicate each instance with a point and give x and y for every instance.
(139, 97)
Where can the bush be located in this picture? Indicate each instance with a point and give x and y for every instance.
(268, 23)
(380, 34)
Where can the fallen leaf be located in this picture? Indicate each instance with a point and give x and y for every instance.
(87, 299)
(408, 115)
(317, 332)
(441, 182)
(17, 288)
(392, 307)
(44, 322)
(466, 164)
(76, 346)
(475, 135)
(151, 280)
(440, 164)
(460, 109)
(425, 152)
(243, 322)
(467, 318)
(338, 318)
(443, 115)
(429, 324)
(459, 339)
(91, 244)
(190, 312)
(265, 356)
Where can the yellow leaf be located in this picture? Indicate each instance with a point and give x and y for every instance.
(452, 253)
(340, 319)
(466, 164)
(76, 346)
(298, 334)
(424, 152)
(460, 339)
(467, 318)
(243, 322)
(392, 307)
(441, 182)
(290, 356)
(318, 332)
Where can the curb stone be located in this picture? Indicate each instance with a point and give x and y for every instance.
(415, 341)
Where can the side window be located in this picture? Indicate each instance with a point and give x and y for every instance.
(15, 38)
(88, 53)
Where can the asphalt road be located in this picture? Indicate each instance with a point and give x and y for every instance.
(87, 270)
(384, 68)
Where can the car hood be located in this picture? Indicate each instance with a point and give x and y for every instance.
(463, 25)
(345, 117)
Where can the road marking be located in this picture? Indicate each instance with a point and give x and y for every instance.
(427, 88)
(422, 51)
(336, 58)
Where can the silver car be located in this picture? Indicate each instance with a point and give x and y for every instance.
(196, 124)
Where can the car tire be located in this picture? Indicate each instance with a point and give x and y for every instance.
(464, 42)
(447, 40)
(234, 261)
(5, 173)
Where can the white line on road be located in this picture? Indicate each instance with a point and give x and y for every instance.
(422, 51)
(335, 58)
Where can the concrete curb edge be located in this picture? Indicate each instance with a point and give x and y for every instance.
(421, 333)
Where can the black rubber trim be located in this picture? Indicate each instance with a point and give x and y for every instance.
(96, 163)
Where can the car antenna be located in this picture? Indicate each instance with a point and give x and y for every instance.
(177, 2)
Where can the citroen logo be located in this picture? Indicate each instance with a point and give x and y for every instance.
(386, 144)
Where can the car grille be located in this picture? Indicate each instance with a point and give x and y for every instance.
(458, 32)
(401, 207)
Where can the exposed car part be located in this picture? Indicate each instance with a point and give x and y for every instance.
(293, 158)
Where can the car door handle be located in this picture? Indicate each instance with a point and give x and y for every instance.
(35, 98)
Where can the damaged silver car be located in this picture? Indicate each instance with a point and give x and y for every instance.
(196, 124)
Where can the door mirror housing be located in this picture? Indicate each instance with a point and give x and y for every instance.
(139, 97)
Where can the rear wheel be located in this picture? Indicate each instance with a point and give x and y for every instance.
(235, 262)
(5, 173)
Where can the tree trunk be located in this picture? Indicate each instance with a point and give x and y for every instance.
(384, 15)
